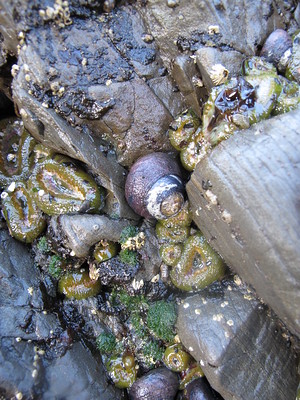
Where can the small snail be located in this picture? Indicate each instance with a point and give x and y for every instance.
(154, 187)
(278, 48)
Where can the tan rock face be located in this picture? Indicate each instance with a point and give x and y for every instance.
(250, 213)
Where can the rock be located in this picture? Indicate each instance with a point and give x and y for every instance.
(226, 25)
(244, 198)
(187, 77)
(208, 57)
(81, 231)
(149, 254)
(297, 14)
(6, 106)
(164, 88)
(90, 382)
(36, 360)
(241, 347)
(98, 84)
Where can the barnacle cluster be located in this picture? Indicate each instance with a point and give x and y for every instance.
(194, 263)
(59, 13)
(240, 102)
(37, 181)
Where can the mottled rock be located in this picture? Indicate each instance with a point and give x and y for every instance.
(241, 347)
(36, 360)
(150, 258)
(208, 57)
(187, 27)
(165, 89)
(96, 81)
(80, 232)
(244, 198)
(90, 381)
(187, 77)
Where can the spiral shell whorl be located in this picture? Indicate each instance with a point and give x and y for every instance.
(154, 187)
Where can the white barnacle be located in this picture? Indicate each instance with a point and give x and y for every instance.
(226, 217)
(137, 284)
(10, 157)
(14, 70)
(94, 272)
(34, 373)
(155, 278)
(218, 74)
(211, 197)
(30, 290)
(213, 29)
(4, 195)
(237, 280)
(23, 113)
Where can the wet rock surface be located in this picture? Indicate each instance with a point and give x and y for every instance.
(78, 233)
(95, 80)
(241, 348)
(37, 358)
(226, 181)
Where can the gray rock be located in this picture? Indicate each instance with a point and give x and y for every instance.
(240, 346)
(207, 57)
(36, 360)
(244, 197)
(80, 232)
(96, 80)
(188, 79)
(242, 26)
(85, 379)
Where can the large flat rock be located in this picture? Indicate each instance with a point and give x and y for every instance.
(37, 357)
(245, 200)
(244, 352)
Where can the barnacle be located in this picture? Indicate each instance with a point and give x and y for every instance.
(218, 74)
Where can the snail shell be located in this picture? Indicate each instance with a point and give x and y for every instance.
(154, 187)
(277, 48)
(160, 383)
